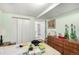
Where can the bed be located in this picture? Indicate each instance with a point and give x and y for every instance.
(16, 50)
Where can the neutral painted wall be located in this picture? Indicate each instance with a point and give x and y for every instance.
(51, 31)
(71, 17)
(68, 18)
(8, 28)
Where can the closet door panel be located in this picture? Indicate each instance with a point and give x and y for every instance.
(22, 30)
(13, 31)
(26, 30)
(19, 30)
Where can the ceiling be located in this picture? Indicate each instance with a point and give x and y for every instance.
(60, 10)
(27, 9)
(44, 11)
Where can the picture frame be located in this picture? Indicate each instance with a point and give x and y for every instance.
(52, 24)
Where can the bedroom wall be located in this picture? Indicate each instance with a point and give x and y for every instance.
(9, 28)
(71, 17)
(68, 18)
(51, 31)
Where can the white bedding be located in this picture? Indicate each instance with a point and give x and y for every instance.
(15, 50)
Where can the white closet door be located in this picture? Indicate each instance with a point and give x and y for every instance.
(26, 30)
(22, 30)
(13, 30)
(19, 31)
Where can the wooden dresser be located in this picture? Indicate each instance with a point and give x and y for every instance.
(65, 47)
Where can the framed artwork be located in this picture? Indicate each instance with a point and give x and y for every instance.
(52, 24)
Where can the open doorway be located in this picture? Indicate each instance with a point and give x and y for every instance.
(40, 30)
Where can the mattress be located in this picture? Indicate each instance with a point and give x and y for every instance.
(16, 50)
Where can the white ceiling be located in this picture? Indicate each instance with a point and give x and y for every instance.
(27, 9)
(60, 10)
(35, 10)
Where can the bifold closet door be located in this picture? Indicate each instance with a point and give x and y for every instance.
(16, 31)
(25, 30)
(19, 31)
(22, 30)
(13, 30)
